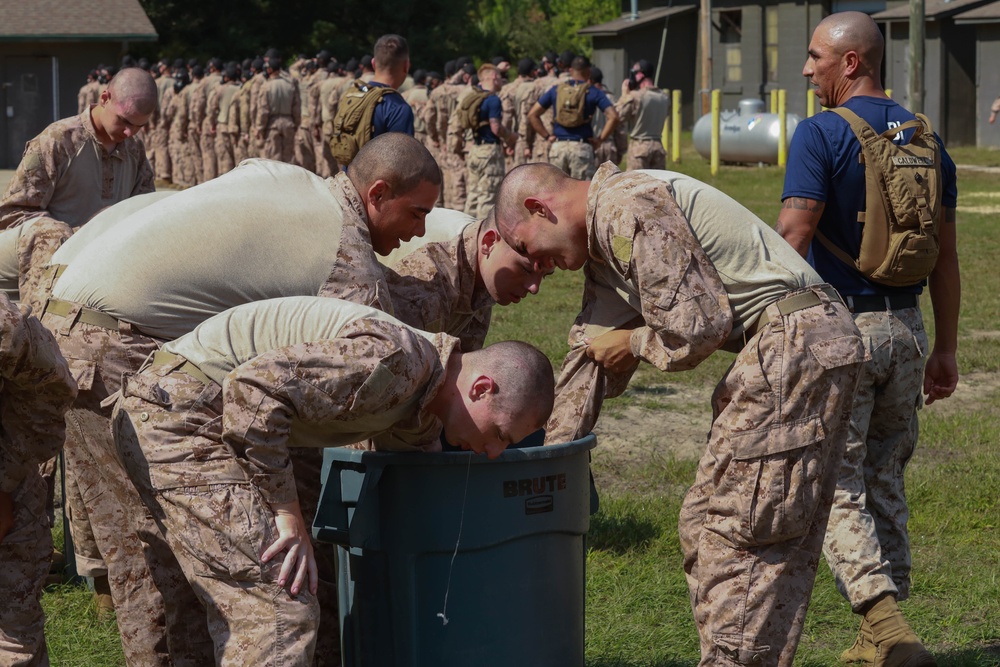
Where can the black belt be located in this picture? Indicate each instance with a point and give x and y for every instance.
(875, 304)
(480, 142)
(571, 139)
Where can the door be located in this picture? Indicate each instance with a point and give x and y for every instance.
(27, 99)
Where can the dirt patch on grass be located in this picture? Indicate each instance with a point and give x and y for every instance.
(974, 392)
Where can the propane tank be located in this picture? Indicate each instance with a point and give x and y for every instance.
(745, 135)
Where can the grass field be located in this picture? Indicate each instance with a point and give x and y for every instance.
(638, 613)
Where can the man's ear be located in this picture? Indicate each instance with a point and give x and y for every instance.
(378, 191)
(490, 239)
(482, 387)
(536, 206)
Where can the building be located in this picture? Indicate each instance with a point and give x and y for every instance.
(985, 20)
(47, 47)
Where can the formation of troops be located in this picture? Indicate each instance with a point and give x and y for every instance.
(212, 116)
(326, 277)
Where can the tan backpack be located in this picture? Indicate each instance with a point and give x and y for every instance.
(570, 104)
(903, 187)
(468, 110)
(352, 126)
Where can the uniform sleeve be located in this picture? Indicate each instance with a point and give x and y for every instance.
(684, 303)
(34, 182)
(356, 275)
(259, 107)
(809, 164)
(371, 368)
(144, 179)
(627, 107)
(37, 390)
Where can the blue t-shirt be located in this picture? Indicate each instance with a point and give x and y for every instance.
(823, 165)
(393, 114)
(596, 99)
(490, 108)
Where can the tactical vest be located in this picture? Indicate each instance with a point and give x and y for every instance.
(903, 188)
(570, 104)
(352, 126)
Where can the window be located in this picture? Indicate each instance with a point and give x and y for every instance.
(771, 43)
(731, 36)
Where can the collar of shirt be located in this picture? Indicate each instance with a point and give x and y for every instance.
(468, 265)
(344, 190)
(88, 126)
(604, 172)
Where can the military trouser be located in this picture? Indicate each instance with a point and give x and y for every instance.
(194, 150)
(645, 154)
(454, 186)
(305, 152)
(574, 158)
(485, 171)
(225, 151)
(98, 357)
(607, 152)
(753, 522)
(25, 555)
(159, 147)
(209, 157)
(279, 139)
(218, 531)
(867, 543)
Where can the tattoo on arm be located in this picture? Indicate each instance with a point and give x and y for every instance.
(802, 204)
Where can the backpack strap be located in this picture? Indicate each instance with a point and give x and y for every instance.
(837, 251)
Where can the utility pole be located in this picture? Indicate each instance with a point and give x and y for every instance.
(706, 54)
(916, 84)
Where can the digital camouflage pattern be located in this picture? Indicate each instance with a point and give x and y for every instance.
(36, 387)
(485, 170)
(197, 451)
(751, 544)
(574, 158)
(278, 114)
(97, 358)
(645, 154)
(34, 250)
(867, 543)
(66, 174)
(434, 289)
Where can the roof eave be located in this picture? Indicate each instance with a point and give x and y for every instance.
(138, 37)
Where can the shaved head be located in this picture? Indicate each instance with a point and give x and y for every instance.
(396, 158)
(524, 376)
(854, 31)
(529, 180)
(134, 90)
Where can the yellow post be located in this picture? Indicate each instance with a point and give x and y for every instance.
(810, 103)
(716, 104)
(888, 92)
(774, 101)
(782, 129)
(676, 112)
(665, 134)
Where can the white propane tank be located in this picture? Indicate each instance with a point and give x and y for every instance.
(745, 135)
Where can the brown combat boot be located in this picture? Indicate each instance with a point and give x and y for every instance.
(896, 645)
(863, 651)
(102, 598)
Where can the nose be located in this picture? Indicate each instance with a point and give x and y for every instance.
(533, 285)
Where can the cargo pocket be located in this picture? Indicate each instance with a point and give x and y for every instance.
(770, 490)
(840, 351)
(145, 388)
(83, 371)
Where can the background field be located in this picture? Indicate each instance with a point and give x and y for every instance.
(638, 613)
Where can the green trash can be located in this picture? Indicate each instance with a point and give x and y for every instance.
(514, 583)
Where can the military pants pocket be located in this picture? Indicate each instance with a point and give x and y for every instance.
(770, 490)
(221, 530)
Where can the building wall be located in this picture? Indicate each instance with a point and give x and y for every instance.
(987, 84)
(72, 62)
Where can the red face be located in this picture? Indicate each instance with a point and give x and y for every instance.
(549, 242)
(400, 218)
(477, 425)
(508, 276)
(117, 122)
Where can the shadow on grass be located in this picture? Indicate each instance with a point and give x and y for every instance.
(619, 534)
(666, 662)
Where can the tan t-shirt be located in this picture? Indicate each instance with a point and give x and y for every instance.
(755, 264)
(262, 231)
(441, 224)
(229, 339)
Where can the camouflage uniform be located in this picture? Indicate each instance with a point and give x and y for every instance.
(66, 174)
(417, 97)
(614, 147)
(304, 154)
(278, 113)
(434, 289)
(197, 100)
(209, 157)
(90, 93)
(751, 542)
(327, 99)
(646, 110)
(195, 448)
(182, 158)
(104, 355)
(159, 126)
(25, 252)
(441, 103)
(224, 125)
(35, 392)
(539, 147)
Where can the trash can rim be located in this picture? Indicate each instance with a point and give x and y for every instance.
(560, 450)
